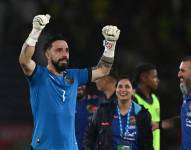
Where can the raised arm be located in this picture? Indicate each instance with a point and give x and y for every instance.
(28, 48)
(111, 35)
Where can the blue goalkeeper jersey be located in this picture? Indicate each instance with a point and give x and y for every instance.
(53, 103)
(186, 123)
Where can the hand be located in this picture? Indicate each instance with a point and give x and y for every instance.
(110, 33)
(40, 21)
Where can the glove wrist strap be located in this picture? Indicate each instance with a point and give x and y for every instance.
(33, 37)
(109, 48)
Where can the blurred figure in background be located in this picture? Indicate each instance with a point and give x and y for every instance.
(146, 80)
(86, 105)
(184, 75)
(121, 126)
(107, 85)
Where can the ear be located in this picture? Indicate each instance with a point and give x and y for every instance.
(143, 77)
(47, 54)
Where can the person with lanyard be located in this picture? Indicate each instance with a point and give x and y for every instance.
(184, 75)
(146, 82)
(121, 126)
(53, 88)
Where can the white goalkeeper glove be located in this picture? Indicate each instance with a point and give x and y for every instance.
(111, 35)
(39, 23)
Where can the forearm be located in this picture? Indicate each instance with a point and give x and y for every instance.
(173, 122)
(28, 48)
(25, 59)
(39, 22)
(104, 66)
(26, 53)
(111, 34)
(107, 59)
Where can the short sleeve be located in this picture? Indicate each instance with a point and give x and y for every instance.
(36, 75)
(84, 76)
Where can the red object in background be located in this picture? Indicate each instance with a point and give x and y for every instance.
(15, 131)
(6, 145)
(11, 133)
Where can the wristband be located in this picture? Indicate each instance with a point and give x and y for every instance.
(33, 37)
(109, 48)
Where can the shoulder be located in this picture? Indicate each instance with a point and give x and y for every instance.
(73, 71)
(38, 71)
(136, 97)
(140, 110)
(137, 107)
(143, 113)
(155, 97)
(106, 107)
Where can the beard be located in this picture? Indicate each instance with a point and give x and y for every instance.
(60, 66)
(80, 96)
(185, 87)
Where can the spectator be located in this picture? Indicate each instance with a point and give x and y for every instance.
(124, 125)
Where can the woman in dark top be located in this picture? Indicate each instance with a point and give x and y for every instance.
(122, 125)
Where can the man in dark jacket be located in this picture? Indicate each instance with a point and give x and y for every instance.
(107, 86)
(124, 125)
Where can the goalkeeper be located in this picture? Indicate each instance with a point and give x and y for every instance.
(53, 88)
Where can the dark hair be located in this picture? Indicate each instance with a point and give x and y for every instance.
(142, 68)
(51, 39)
(187, 58)
(114, 74)
(123, 77)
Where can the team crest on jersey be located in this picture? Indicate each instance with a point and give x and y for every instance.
(69, 80)
(132, 120)
(91, 108)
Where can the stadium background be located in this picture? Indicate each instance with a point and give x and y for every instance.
(154, 31)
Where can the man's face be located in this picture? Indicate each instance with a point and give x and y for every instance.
(81, 92)
(151, 79)
(124, 90)
(184, 75)
(58, 55)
